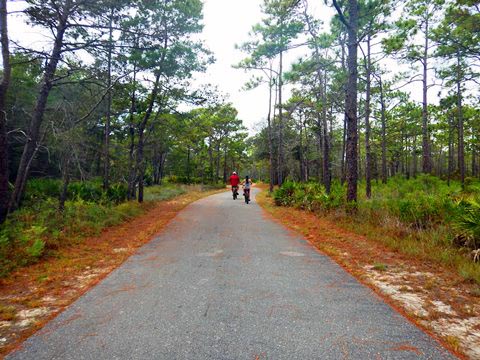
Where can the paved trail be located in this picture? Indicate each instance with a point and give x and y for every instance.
(224, 282)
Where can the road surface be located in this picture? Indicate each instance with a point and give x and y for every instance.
(223, 281)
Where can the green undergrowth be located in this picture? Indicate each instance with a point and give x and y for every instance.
(171, 190)
(39, 229)
(423, 217)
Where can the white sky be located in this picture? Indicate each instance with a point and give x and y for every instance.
(227, 22)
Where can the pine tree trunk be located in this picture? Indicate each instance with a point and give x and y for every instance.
(5, 83)
(225, 165)
(351, 110)
(65, 182)
(414, 156)
(427, 162)
(475, 139)
(384, 134)
(323, 127)
(344, 133)
(131, 153)
(368, 155)
(33, 140)
(141, 138)
(301, 157)
(450, 151)
(325, 136)
(280, 120)
(461, 150)
(269, 129)
(106, 155)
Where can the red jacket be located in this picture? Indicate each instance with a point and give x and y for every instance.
(234, 180)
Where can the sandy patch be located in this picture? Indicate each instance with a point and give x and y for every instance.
(435, 314)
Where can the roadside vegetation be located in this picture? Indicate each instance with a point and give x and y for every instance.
(424, 217)
(39, 229)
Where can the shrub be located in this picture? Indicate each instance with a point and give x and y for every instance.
(85, 190)
(42, 188)
(467, 222)
(36, 249)
(34, 231)
(117, 193)
(284, 196)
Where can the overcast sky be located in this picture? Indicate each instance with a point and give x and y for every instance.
(227, 22)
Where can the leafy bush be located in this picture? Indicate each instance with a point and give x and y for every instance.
(417, 203)
(36, 249)
(117, 193)
(85, 190)
(37, 230)
(285, 195)
(42, 188)
(310, 196)
(174, 179)
(467, 222)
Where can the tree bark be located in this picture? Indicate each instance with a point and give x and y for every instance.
(280, 120)
(269, 129)
(141, 137)
(368, 154)
(414, 156)
(65, 182)
(475, 166)
(323, 127)
(326, 139)
(300, 150)
(351, 102)
(225, 165)
(106, 155)
(4, 85)
(131, 158)
(427, 161)
(384, 134)
(344, 133)
(461, 150)
(32, 143)
(450, 150)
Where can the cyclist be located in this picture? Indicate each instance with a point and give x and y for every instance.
(247, 184)
(234, 181)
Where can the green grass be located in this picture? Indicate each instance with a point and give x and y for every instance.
(423, 218)
(165, 192)
(380, 267)
(38, 228)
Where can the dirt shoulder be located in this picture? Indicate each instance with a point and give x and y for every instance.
(31, 296)
(434, 298)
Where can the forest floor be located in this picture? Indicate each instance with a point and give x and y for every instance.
(31, 296)
(436, 299)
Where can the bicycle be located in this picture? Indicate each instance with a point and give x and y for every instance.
(246, 194)
(235, 192)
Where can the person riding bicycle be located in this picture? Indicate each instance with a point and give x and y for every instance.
(247, 184)
(234, 181)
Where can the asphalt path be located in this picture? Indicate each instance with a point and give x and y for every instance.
(223, 281)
